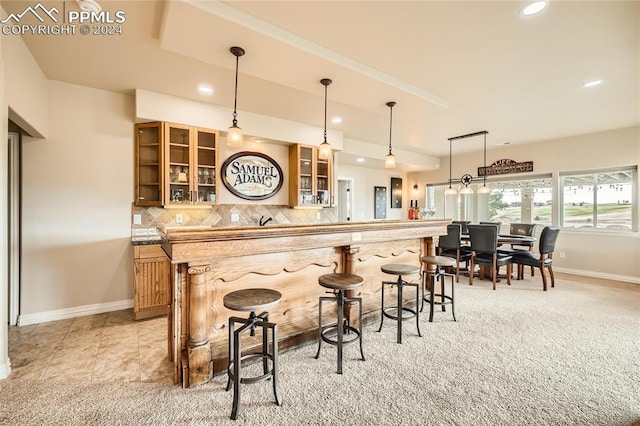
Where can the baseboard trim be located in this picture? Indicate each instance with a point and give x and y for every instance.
(78, 311)
(5, 368)
(593, 274)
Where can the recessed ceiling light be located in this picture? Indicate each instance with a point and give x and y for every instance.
(592, 83)
(533, 8)
(360, 160)
(336, 120)
(257, 140)
(205, 89)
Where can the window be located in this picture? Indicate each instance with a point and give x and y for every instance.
(602, 199)
(511, 201)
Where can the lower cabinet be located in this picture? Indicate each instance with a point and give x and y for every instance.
(151, 281)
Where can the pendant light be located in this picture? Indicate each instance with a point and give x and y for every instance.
(390, 160)
(234, 136)
(450, 190)
(484, 189)
(324, 153)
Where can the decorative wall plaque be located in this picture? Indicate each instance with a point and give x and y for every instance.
(252, 175)
(503, 167)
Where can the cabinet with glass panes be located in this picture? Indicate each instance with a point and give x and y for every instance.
(190, 164)
(148, 164)
(175, 164)
(310, 181)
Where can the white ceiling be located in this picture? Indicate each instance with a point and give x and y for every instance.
(453, 67)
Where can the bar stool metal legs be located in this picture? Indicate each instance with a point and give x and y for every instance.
(251, 300)
(339, 283)
(400, 270)
(433, 277)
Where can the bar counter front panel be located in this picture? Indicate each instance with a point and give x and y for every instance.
(208, 263)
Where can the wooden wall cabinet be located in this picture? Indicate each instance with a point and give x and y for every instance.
(152, 290)
(149, 164)
(310, 178)
(176, 164)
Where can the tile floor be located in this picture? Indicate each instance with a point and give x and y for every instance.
(103, 347)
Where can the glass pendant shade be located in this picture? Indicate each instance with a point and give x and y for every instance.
(450, 191)
(466, 190)
(234, 137)
(484, 190)
(324, 152)
(390, 161)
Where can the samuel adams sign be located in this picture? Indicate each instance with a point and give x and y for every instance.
(252, 175)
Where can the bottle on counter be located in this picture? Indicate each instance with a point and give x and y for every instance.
(411, 211)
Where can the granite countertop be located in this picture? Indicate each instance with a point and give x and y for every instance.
(145, 236)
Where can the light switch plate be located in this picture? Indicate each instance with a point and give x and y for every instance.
(235, 217)
(179, 218)
(137, 219)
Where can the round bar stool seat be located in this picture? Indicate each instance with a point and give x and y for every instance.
(400, 270)
(340, 283)
(442, 261)
(435, 275)
(252, 300)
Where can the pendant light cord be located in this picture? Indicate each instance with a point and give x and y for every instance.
(390, 125)
(235, 96)
(484, 177)
(325, 113)
(450, 163)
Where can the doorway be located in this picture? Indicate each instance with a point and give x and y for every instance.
(345, 199)
(13, 205)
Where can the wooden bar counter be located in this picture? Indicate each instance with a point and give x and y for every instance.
(209, 262)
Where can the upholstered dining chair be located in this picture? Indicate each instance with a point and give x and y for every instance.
(498, 224)
(525, 229)
(449, 246)
(542, 260)
(484, 251)
(463, 224)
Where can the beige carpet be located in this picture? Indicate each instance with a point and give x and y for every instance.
(516, 356)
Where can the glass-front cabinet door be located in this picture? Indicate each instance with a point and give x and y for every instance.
(310, 180)
(178, 166)
(148, 171)
(206, 142)
(192, 156)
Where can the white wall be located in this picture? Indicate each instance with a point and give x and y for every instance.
(364, 180)
(5, 365)
(607, 255)
(26, 88)
(77, 192)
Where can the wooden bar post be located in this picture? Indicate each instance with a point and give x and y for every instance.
(198, 348)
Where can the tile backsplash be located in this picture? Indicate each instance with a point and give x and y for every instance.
(248, 215)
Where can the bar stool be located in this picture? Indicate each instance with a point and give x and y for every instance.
(252, 300)
(438, 274)
(339, 283)
(400, 270)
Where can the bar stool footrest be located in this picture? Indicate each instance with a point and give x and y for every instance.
(347, 328)
(255, 379)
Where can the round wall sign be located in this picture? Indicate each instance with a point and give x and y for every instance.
(251, 175)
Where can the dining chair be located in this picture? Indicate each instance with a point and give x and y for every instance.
(484, 252)
(463, 224)
(526, 229)
(497, 224)
(449, 246)
(541, 260)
